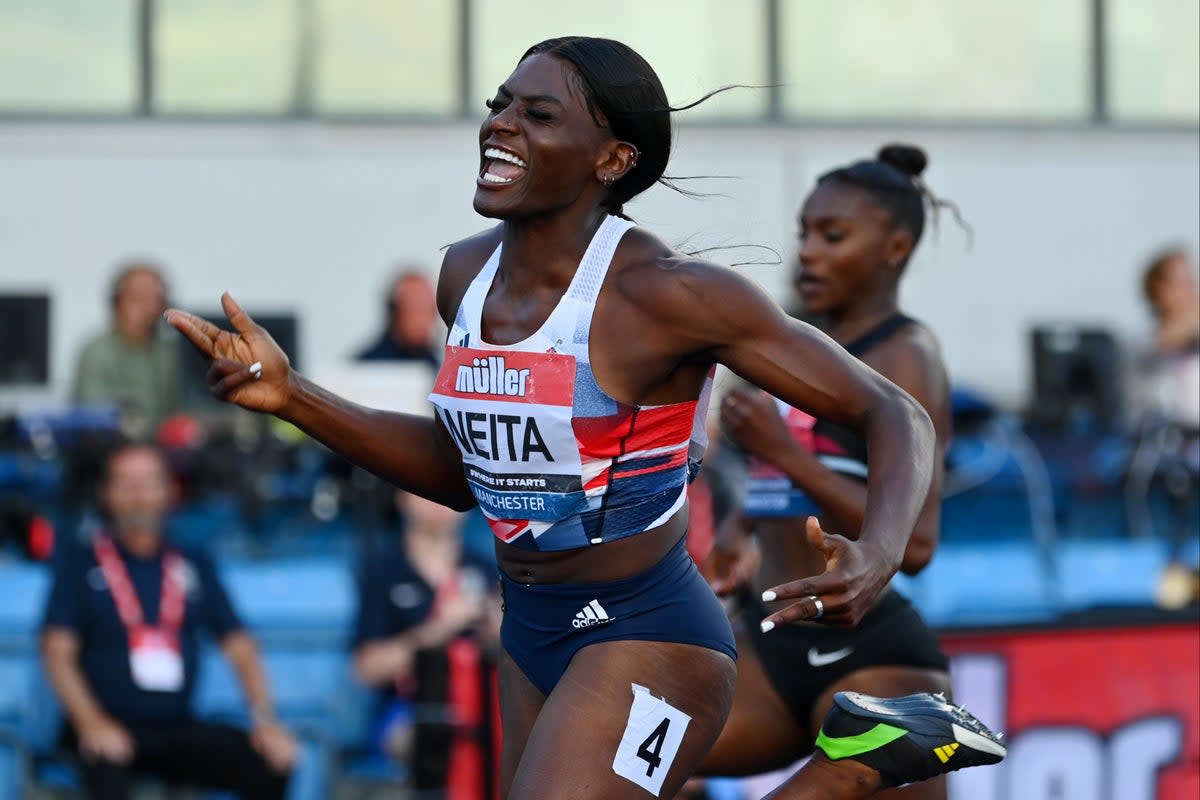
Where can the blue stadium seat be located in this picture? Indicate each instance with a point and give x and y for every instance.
(908, 585)
(1109, 572)
(986, 583)
(29, 718)
(298, 602)
(23, 588)
(27, 703)
(313, 690)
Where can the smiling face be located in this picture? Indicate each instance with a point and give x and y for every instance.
(541, 150)
(848, 245)
(136, 492)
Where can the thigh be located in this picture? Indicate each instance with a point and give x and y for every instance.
(890, 682)
(520, 702)
(762, 733)
(213, 755)
(593, 720)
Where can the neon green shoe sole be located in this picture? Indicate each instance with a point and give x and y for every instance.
(907, 739)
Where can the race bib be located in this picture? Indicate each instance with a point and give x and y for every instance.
(652, 737)
(155, 661)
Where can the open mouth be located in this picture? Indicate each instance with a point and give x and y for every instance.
(501, 167)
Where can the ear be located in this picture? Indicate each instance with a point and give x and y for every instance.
(898, 248)
(615, 162)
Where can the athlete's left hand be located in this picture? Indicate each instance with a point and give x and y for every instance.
(751, 417)
(855, 573)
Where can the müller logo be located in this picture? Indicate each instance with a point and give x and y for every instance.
(490, 376)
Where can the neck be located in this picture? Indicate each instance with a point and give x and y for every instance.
(546, 251)
(133, 339)
(141, 543)
(846, 325)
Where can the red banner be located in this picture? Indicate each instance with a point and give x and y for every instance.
(1090, 714)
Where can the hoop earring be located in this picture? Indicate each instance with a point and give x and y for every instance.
(608, 180)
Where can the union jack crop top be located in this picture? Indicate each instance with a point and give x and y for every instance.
(555, 462)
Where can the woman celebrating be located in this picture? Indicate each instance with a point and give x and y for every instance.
(578, 360)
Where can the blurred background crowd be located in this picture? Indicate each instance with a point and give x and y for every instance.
(313, 156)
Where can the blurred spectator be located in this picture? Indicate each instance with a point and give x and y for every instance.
(1171, 289)
(131, 365)
(120, 645)
(427, 633)
(1170, 445)
(412, 322)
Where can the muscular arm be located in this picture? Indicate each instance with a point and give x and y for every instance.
(412, 452)
(735, 323)
(415, 453)
(248, 368)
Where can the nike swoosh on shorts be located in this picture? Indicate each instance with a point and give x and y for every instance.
(819, 659)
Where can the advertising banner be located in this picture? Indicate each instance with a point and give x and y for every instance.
(1104, 713)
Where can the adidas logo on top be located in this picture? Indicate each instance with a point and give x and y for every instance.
(592, 614)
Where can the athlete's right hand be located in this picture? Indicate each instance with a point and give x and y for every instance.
(231, 355)
(855, 573)
(103, 739)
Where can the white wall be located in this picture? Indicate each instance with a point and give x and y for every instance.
(312, 217)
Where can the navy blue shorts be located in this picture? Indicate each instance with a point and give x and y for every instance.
(545, 625)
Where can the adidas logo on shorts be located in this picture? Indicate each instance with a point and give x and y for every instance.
(592, 614)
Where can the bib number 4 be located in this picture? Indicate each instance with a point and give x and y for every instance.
(650, 750)
(651, 740)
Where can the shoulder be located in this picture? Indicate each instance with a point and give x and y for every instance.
(197, 561)
(373, 351)
(460, 265)
(679, 288)
(646, 259)
(72, 558)
(912, 359)
(914, 344)
(165, 345)
(98, 344)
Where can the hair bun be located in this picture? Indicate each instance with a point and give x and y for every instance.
(909, 159)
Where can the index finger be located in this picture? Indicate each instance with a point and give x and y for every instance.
(805, 587)
(200, 332)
